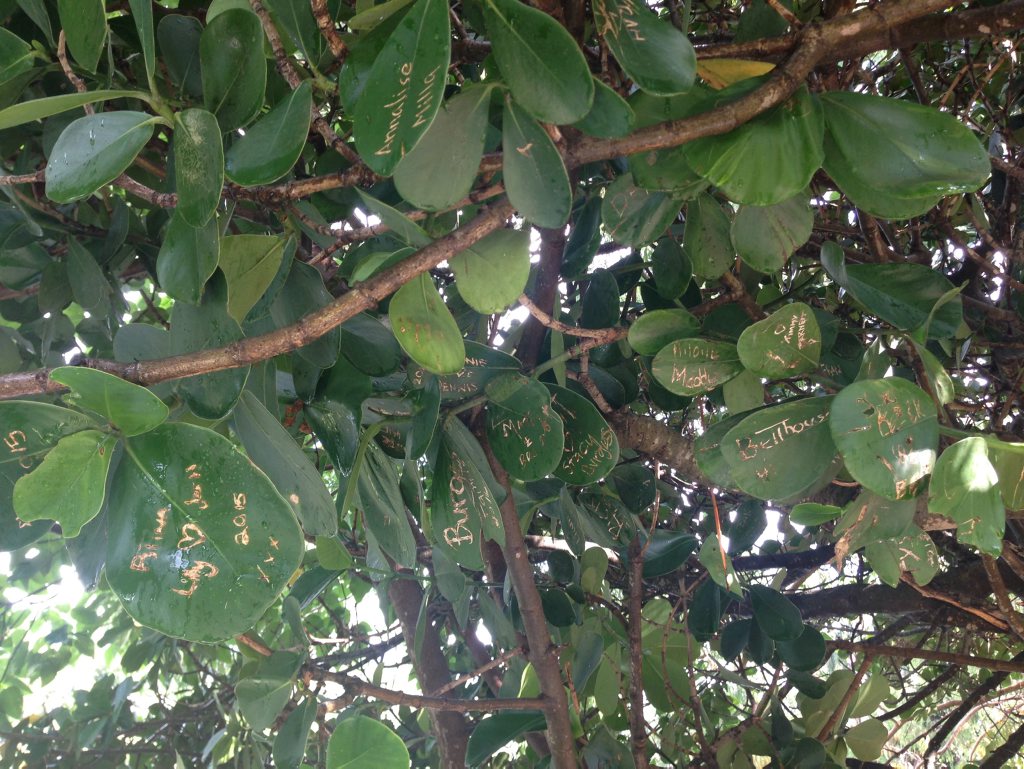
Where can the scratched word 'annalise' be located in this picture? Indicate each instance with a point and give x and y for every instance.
(397, 106)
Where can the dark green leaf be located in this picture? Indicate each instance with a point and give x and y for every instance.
(271, 147)
(93, 151)
(766, 236)
(359, 742)
(535, 175)
(179, 38)
(540, 61)
(188, 257)
(591, 448)
(706, 238)
(806, 652)
(525, 433)
(776, 615)
(610, 115)
(198, 165)
(234, 71)
(85, 24)
(667, 551)
(814, 514)
(142, 15)
(290, 742)
(405, 87)
(200, 541)
(671, 267)
(634, 216)
(275, 452)
(495, 731)
(303, 292)
(88, 284)
(383, 509)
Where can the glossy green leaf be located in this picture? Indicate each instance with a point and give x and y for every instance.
(37, 109)
(896, 159)
(142, 15)
(178, 37)
(776, 615)
(295, 18)
(591, 448)
(525, 432)
(813, 514)
(610, 116)
(28, 430)
(198, 165)
(369, 345)
(695, 366)
(130, 408)
(743, 392)
(439, 171)
(636, 486)
(540, 61)
(655, 55)
(234, 71)
(766, 236)
(634, 216)
(249, 263)
(425, 327)
(887, 433)
(383, 509)
(273, 144)
(188, 257)
(965, 487)
(200, 542)
(491, 274)
(70, 484)
(460, 500)
(405, 87)
(89, 285)
(806, 652)
(372, 17)
(900, 294)
(782, 450)
(302, 293)
(202, 327)
(706, 238)
(360, 742)
(766, 160)
(275, 452)
(671, 268)
(85, 24)
(667, 551)
(290, 743)
(535, 176)
(93, 151)
(495, 731)
(655, 329)
(787, 343)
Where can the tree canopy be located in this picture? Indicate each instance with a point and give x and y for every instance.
(498, 383)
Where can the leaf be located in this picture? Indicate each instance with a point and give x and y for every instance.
(610, 116)
(895, 159)
(142, 15)
(272, 146)
(667, 551)
(706, 237)
(721, 73)
(655, 329)
(965, 487)
(85, 25)
(914, 553)
(405, 87)
(290, 742)
(302, 293)
(766, 457)
(671, 268)
(37, 109)
(695, 366)
(383, 509)
(296, 19)
(93, 151)
(1008, 459)
(234, 72)
(591, 448)
(401, 226)
(900, 294)
(535, 176)
(70, 484)
(634, 216)
(887, 433)
(767, 160)
(249, 263)
(525, 433)
(130, 408)
(200, 542)
(776, 615)
(261, 700)
(813, 514)
(88, 284)
(495, 731)
(439, 171)
(369, 345)
(655, 55)
(540, 61)
(372, 17)
(198, 165)
(805, 653)
(28, 431)
(275, 452)
(483, 364)
(201, 327)
(425, 327)
(766, 236)
(743, 392)
(787, 343)
(491, 274)
(187, 259)
(179, 38)
(867, 739)
(359, 742)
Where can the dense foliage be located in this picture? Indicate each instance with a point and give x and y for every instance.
(656, 368)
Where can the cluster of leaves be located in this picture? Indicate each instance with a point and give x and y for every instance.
(280, 238)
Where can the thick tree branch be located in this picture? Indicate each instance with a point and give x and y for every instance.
(905, 653)
(266, 346)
